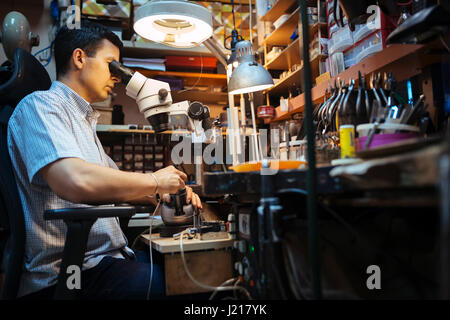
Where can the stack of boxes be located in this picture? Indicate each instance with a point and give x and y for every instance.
(347, 48)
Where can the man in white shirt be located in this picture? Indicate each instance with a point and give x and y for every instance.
(59, 162)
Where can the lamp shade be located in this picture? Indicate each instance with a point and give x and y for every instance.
(176, 23)
(249, 76)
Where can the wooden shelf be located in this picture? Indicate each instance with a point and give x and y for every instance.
(315, 27)
(287, 58)
(279, 8)
(205, 97)
(295, 78)
(402, 59)
(280, 36)
(190, 78)
(291, 54)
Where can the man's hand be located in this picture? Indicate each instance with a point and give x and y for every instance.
(170, 180)
(190, 197)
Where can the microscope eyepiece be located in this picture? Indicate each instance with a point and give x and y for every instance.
(118, 69)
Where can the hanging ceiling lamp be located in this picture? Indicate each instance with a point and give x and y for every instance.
(176, 23)
(235, 38)
(249, 76)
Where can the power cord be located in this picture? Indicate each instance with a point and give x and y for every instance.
(225, 283)
(198, 80)
(444, 43)
(150, 250)
(205, 286)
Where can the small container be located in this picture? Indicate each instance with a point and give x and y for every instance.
(347, 138)
(281, 20)
(283, 151)
(384, 128)
(297, 150)
(266, 112)
(379, 140)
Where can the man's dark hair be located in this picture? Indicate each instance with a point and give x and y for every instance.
(88, 38)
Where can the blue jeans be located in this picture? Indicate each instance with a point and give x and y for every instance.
(116, 279)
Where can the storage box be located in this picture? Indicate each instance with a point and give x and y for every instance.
(341, 40)
(190, 63)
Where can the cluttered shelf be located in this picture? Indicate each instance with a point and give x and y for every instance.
(280, 7)
(278, 36)
(295, 77)
(206, 97)
(291, 54)
(189, 78)
(287, 58)
(277, 10)
(144, 130)
(394, 59)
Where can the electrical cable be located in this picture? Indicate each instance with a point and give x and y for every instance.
(235, 284)
(202, 285)
(363, 242)
(199, 78)
(250, 23)
(226, 282)
(52, 43)
(150, 250)
(294, 281)
(444, 43)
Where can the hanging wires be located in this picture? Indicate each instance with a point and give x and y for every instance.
(444, 43)
(202, 285)
(225, 283)
(198, 80)
(250, 21)
(51, 36)
(150, 250)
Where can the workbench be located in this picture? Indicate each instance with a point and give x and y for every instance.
(383, 210)
(208, 261)
(377, 180)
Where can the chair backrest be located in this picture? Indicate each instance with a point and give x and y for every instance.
(24, 76)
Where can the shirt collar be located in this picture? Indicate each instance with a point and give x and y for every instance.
(79, 102)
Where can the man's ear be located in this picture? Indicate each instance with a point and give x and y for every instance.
(78, 58)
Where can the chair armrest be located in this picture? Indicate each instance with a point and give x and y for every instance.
(79, 222)
(89, 213)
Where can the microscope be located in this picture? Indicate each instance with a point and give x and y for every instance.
(155, 102)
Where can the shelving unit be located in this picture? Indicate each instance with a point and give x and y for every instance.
(291, 55)
(286, 59)
(280, 7)
(280, 36)
(294, 78)
(189, 78)
(290, 58)
(394, 58)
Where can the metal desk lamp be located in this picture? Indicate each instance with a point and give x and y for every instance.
(249, 77)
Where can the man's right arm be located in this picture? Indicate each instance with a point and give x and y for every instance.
(78, 181)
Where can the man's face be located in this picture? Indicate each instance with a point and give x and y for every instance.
(96, 75)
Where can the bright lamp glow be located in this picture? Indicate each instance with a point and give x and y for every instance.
(175, 23)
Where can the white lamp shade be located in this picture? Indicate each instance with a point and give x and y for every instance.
(176, 23)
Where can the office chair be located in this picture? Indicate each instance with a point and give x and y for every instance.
(17, 79)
